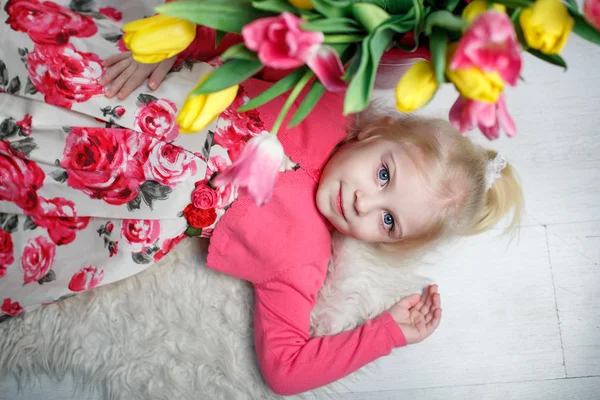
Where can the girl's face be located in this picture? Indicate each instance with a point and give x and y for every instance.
(370, 190)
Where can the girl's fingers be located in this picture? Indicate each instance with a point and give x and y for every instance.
(409, 301)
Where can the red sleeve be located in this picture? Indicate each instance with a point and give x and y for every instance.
(291, 361)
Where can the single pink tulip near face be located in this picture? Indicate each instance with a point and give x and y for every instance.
(591, 11)
(256, 168)
(466, 114)
(490, 44)
(282, 44)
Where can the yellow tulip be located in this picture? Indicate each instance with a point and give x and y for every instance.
(476, 7)
(546, 25)
(156, 38)
(416, 87)
(199, 111)
(302, 4)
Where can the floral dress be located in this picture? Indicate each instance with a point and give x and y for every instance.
(94, 190)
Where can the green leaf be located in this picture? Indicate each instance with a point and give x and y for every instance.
(219, 35)
(192, 232)
(228, 16)
(231, 73)
(312, 98)
(583, 29)
(437, 46)
(392, 6)
(359, 91)
(573, 5)
(333, 9)
(369, 15)
(290, 100)
(332, 25)
(277, 6)
(280, 87)
(554, 59)
(451, 4)
(444, 19)
(419, 8)
(331, 39)
(515, 3)
(239, 52)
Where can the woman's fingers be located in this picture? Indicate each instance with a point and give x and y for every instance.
(114, 71)
(112, 60)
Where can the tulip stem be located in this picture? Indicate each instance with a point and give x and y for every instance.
(290, 100)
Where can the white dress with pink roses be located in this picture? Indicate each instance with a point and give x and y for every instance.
(94, 190)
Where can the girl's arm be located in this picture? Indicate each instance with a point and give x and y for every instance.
(291, 361)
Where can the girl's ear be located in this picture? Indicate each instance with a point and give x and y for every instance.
(374, 128)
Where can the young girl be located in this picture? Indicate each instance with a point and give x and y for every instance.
(396, 183)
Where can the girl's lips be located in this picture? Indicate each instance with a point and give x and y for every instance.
(338, 203)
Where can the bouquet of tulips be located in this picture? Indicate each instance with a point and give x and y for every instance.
(476, 45)
(337, 45)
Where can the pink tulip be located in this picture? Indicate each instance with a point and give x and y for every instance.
(327, 66)
(591, 11)
(465, 114)
(490, 44)
(282, 44)
(256, 168)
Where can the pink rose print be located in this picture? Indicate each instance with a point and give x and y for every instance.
(25, 125)
(59, 217)
(232, 140)
(236, 128)
(109, 227)
(2, 271)
(85, 279)
(11, 308)
(140, 233)
(121, 46)
(37, 258)
(168, 245)
(103, 163)
(227, 193)
(169, 165)
(204, 197)
(247, 122)
(111, 13)
(64, 75)
(207, 232)
(20, 178)
(113, 248)
(157, 119)
(6, 250)
(119, 111)
(48, 23)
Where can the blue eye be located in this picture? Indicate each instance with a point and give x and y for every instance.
(388, 221)
(384, 175)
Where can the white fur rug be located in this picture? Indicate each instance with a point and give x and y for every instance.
(181, 331)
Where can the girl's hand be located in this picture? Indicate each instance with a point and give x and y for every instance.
(418, 316)
(124, 74)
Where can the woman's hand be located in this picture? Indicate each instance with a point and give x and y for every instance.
(418, 316)
(124, 74)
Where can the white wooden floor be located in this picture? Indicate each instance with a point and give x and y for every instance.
(521, 317)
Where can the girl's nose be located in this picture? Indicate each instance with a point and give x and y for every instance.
(363, 204)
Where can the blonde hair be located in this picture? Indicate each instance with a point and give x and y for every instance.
(454, 168)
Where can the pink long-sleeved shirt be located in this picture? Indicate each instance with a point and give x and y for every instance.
(283, 248)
